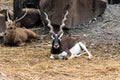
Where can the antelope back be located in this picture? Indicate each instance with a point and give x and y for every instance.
(67, 43)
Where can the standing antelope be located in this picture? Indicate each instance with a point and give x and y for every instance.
(67, 47)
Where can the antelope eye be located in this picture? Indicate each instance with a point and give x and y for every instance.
(5, 33)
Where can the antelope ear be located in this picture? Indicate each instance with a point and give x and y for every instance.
(52, 36)
(60, 35)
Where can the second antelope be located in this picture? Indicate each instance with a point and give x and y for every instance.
(65, 48)
(16, 36)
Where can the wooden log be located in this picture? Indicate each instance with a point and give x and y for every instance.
(17, 8)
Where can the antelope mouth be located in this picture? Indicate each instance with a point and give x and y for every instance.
(56, 46)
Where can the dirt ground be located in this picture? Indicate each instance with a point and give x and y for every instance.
(32, 62)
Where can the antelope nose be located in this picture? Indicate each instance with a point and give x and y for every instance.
(56, 46)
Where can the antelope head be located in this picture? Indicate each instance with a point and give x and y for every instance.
(56, 36)
(12, 24)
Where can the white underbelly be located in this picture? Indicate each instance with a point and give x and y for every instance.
(75, 50)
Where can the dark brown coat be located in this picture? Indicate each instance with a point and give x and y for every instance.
(65, 44)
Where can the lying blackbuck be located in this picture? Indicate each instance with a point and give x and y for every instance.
(67, 47)
(16, 36)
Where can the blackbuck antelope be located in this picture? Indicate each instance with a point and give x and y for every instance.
(65, 48)
(16, 36)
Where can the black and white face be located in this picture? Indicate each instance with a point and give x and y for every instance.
(56, 40)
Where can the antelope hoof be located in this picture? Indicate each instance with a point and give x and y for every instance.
(89, 57)
(52, 57)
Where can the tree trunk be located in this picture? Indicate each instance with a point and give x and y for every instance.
(2, 23)
(17, 7)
